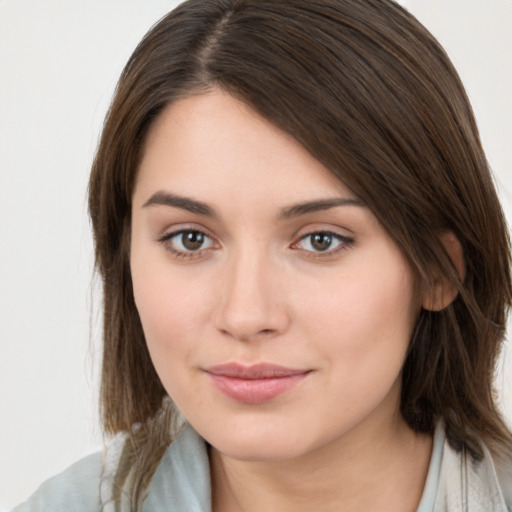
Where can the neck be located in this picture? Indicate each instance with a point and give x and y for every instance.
(382, 466)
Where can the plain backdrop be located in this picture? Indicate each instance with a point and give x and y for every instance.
(59, 61)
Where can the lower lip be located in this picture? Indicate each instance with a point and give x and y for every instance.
(256, 391)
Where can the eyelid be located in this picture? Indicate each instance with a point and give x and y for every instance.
(174, 229)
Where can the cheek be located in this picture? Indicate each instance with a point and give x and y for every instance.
(172, 310)
(363, 319)
(172, 325)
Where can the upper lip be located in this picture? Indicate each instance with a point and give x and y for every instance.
(253, 372)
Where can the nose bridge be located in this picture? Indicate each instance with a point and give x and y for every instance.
(248, 305)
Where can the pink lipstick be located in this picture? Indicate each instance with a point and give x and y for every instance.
(254, 384)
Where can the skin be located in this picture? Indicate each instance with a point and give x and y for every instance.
(257, 289)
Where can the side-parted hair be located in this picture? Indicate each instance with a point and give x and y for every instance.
(370, 93)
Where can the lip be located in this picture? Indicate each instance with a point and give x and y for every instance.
(254, 384)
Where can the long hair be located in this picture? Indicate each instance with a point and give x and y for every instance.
(369, 92)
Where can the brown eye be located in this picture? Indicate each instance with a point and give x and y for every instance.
(321, 241)
(192, 240)
(187, 241)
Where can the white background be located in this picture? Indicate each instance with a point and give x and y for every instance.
(59, 61)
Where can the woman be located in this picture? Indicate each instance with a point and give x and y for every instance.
(305, 267)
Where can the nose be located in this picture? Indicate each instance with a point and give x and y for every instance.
(250, 307)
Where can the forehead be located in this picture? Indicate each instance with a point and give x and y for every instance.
(212, 144)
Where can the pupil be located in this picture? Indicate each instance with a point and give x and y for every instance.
(321, 241)
(192, 240)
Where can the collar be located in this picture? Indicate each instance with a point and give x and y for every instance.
(455, 483)
(468, 486)
(182, 480)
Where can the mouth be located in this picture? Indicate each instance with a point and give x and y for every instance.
(254, 384)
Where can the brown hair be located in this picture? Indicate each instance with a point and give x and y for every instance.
(371, 94)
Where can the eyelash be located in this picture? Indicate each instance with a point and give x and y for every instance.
(344, 243)
(166, 240)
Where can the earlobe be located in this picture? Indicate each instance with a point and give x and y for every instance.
(445, 292)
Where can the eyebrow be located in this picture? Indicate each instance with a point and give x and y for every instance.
(319, 205)
(185, 203)
(162, 198)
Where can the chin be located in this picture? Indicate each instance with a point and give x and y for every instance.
(254, 440)
(262, 450)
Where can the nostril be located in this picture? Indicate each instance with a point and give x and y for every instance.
(248, 337)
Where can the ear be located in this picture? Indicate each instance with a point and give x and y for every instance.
(444, 292)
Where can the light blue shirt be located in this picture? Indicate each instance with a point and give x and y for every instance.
(182, 482)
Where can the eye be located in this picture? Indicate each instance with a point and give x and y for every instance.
(187, 241)
(322, 242)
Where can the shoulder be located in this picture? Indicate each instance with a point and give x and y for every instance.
(74, 490)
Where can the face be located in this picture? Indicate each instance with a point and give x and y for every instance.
(276, 308)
